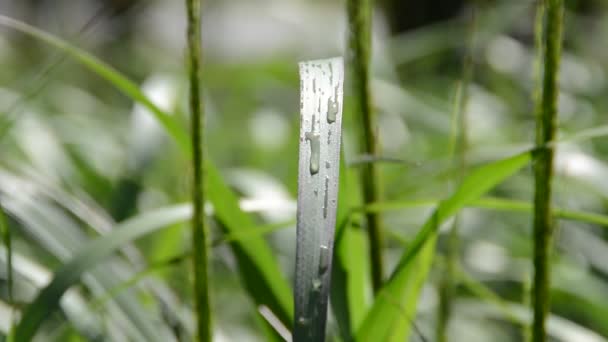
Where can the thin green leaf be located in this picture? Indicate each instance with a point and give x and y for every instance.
(350, 263)
(107, 72)
(257, 264)
(390, 317)
(496, 203)
(89, 256)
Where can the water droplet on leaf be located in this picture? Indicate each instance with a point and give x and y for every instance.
(323, 259)
(332, 110)
(316, 284)
(315, 147)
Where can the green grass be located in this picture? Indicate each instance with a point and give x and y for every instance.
(76, 272)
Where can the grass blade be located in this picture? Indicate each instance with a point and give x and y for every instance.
(258, 266)
(390, 317)
(350, 264)
(318, 178)
(89, 256)
(495, 203)
(107, 72)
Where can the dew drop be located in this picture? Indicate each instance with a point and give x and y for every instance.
(315, 147)
(303, 321)
(332, 110)
(316, 284)
(314, 86)
(327, 165)
(323, 259)
(325, 197)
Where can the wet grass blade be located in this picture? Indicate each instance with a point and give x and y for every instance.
(321, 104)
(392, 313)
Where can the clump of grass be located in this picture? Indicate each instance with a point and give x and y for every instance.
(543, 166)
(359, 19)
(200, 232)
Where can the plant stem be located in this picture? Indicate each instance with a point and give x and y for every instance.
(543, 168)
(6, 239)
(458, 147)
(200, 232)
(359, 19)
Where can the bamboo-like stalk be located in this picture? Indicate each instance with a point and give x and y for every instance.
(543, 167)
(359, 21)
(458, 147)
(200, 232)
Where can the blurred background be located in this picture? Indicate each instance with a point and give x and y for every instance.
(76, 155)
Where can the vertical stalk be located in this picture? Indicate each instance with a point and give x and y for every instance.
(458, 147)
(200, 232)
(359, 21)
(526, 330)
(6, 239)
(543, 167)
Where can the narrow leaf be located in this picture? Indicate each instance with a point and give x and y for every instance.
(350, 264)
(318, 174)
(394, 310)
(107, 72)
(257, 264)
(89, 256)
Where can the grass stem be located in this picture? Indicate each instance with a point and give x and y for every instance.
(458, 147)
(7, 240)
(543, 167)
(359, 19)
(199, 229)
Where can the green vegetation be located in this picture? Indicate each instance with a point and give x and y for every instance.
(543, 166)
(149, 173)
(360, 23)
(200, 231)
